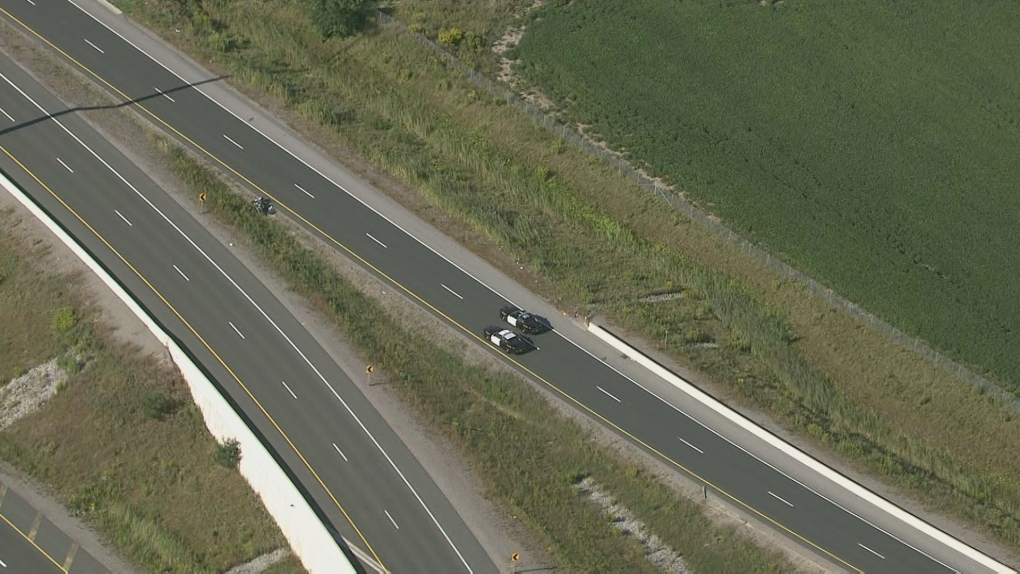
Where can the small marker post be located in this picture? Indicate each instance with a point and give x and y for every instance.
(368, 374)
(201, 198)
(514, 559)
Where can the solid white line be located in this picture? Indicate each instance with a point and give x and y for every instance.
(870, 550)
(607, 394)
(304, 191)
(239, 333)
(6, 114)
(295, 396)
(124, 218)
(33, 4)
(65, 165)
(182, 274)
(232, 141)
(384, 247)
(341, 452)
(94, 46)
(442, 256)
(391, 519)
(690, 445)
(250, 300)
(452, 291)
(776, 496)
(2, 563)
(164, 95)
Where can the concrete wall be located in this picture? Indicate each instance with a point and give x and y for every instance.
(308, 536)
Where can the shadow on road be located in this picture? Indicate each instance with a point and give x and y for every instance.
(75, 109)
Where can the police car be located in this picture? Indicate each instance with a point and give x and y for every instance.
(508, 341)
(521, 319)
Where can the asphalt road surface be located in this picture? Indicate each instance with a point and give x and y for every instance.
(393, 503)
(708, 449)
(31, 543)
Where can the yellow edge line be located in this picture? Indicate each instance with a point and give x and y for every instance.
(426, 303)
(32, 542)
(207, 346)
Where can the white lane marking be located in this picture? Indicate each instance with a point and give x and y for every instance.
(304, 357)
(238, 333)
(870, 550)
(391, 519)
(340, 451)
(33, 4)
(303, 190)
(479, 281)
(452, 291)
(309, 166)
(182, 274)
(2, 563)
(690, 445)
(295, 396)
(384, 247)
(124, 218)
(94, 46)
(777, 497)
(6, 114)
(65, 165)
(607, 393)
(164, 94)
(232, 141)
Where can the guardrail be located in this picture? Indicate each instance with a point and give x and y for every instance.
(795, 453)
(309, 538)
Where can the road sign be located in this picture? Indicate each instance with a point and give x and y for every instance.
(516, 556)
(202, 196)
(370, 369)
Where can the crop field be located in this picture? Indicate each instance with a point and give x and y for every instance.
(874, 145)
(582, 236)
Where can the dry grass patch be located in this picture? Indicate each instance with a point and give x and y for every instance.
(120, 443)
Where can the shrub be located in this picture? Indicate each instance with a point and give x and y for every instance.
(338, 18)
(157, 405)
(451, 37)
(64, 319)
(228, 453)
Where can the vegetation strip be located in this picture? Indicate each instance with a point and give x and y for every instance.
(598, 242)
(529, 455)
(120, 441)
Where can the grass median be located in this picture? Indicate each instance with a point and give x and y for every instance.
(590, 240)
(120, 442)
(529, 456)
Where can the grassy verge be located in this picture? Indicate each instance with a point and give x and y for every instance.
(529, 456)
(121, 443)
(593, 241)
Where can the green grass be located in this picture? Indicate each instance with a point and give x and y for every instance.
(528, 455)
(873, 144)
(591, 240)
(151, 486)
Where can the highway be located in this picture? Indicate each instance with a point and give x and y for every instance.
(19, 554)
(729, 461)
(335, 443)
(31, 542)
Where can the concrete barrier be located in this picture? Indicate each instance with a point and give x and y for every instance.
(309, 538)
(797, 454)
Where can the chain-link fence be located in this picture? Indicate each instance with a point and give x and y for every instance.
(679, 204)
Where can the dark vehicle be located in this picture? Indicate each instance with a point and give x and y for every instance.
(523, 320)
(508, 341)
(263, 206)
